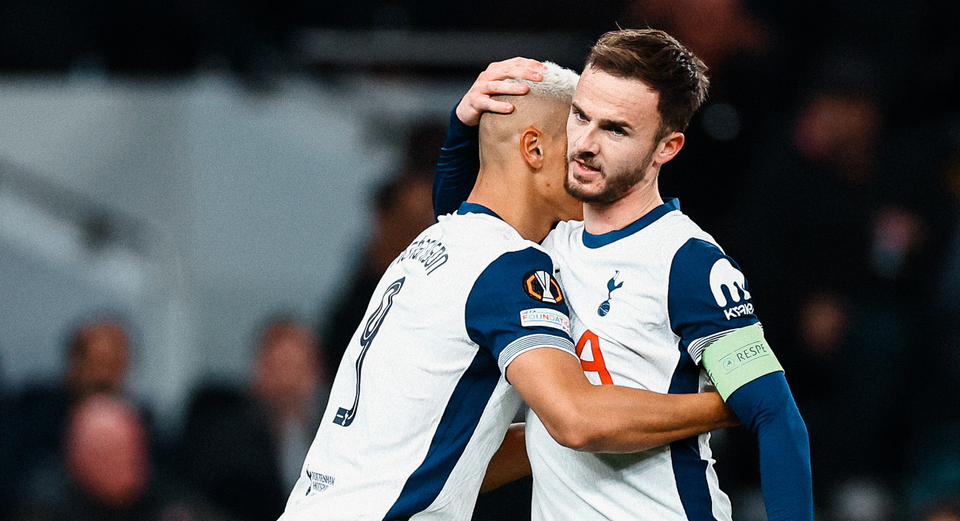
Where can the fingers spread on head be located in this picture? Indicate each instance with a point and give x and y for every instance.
(499, 107)
(516, 68)
(506, 88)
(526, 73)
(527, 63)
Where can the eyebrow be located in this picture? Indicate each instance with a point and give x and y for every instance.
(605, 124)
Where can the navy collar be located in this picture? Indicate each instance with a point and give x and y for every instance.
(466, 208)
(597, 241)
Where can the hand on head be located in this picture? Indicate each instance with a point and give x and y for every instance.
(490, 82)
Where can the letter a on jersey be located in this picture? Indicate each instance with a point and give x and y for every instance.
(542, 287)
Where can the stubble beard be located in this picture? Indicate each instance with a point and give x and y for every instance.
(615, 184)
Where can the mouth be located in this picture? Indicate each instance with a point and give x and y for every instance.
(584, 169)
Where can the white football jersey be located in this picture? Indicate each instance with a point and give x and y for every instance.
(644, 301)
(419, 404)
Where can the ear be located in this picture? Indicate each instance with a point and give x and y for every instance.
(531, 147)
(668, 147)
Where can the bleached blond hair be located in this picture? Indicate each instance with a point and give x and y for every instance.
(545, 106)
(558, 82)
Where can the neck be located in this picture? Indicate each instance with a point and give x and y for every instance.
(512, 197)
(607, 217)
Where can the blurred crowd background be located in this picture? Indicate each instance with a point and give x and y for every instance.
(198, 197)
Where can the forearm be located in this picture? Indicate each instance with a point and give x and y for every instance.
(768, 410)
(457, 167)
(510, 462)
(631, 420)
(609, 418)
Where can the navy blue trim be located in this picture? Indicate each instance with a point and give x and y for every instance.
(466, 208)
(598, 241)
(457, 425)
(689, 467)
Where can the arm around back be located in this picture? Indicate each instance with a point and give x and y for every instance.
(608, 418)
(510, 462)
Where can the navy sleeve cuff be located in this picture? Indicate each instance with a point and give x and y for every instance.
(458, 132)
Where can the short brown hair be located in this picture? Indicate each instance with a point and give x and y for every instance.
(659, 60)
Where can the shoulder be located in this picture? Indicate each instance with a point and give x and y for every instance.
(519, 276)
(677, 229)
(567, 227)
(471, 242)
(527, 265)
(481, 232)
(706, 286)
(563, 232)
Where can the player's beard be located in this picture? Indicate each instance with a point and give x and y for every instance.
(616, 184)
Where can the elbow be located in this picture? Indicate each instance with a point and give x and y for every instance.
(573, 439)
(798, 428)
(580, 435)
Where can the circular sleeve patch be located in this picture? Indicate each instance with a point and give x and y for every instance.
(542, 287)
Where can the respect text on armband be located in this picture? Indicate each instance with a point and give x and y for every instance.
(744, 355)
(431, 253)
(738, 357)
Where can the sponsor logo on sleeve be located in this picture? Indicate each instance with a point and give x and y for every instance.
(545, 317)
(726, 280)
(542, 287)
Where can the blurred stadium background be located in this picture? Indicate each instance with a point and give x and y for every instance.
(198, 164)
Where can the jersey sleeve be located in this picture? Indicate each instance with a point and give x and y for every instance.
(708, 296)
(457, 167)
(710, 303)
(767, 409)
(516, 305)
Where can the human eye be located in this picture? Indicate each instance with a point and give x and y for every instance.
(578, 114)
(615, 129)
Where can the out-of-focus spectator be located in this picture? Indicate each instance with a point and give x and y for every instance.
(933, 487)
(243, 446)
(106, 473)
(948, 511)
(812, 227)
(402, 208)
(97, 361)
(106, 452)
(98, 358)
(946, 297)
(840, 230)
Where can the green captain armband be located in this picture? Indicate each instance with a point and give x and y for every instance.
(738, 358)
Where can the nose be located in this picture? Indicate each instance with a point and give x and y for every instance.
(584, 140)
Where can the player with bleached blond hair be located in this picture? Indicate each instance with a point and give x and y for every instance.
(465, 323)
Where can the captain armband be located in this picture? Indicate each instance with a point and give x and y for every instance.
(738, 358)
